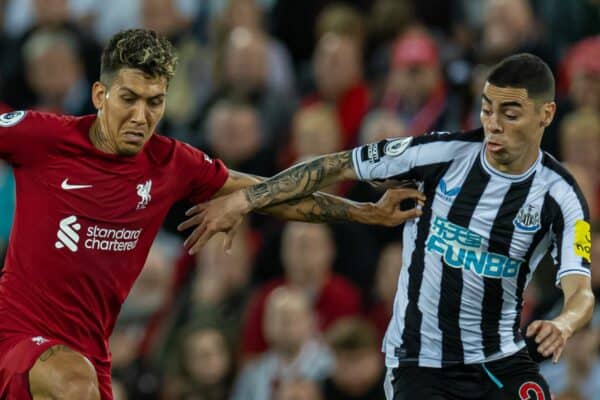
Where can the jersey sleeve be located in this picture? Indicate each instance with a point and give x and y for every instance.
(411, 157)
(571, 233)
(24, 136)
(205, 176)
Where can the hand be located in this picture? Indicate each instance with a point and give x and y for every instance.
(387, 210)
(551, 337)
(223, 214)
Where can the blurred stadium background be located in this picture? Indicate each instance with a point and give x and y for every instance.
(262, 84)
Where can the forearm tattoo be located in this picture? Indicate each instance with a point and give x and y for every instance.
(53, 350)
(298, 181)
(326, 209)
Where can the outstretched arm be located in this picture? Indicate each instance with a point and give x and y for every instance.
(317, 207)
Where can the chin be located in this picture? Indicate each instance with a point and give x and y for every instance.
(129, 151)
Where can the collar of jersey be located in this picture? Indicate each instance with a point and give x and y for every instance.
(513, 178)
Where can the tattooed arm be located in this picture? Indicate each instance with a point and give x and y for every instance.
(294, 186)
(301, 180)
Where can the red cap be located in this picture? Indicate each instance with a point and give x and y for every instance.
(584, 56)
(414, 48)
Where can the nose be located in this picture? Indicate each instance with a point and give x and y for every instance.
(139, 113)
(493, 125)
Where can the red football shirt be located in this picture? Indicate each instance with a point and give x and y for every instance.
(84, 223)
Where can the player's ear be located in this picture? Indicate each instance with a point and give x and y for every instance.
(99, 92)
(548, 109)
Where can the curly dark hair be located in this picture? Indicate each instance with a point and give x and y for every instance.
(141, 49)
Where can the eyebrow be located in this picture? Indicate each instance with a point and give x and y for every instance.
(504, 103)
(137, 95)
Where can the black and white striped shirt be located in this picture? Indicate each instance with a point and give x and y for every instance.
(468, 258)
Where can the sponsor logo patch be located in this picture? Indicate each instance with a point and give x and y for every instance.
(583, 240)
(394, 148)
(462, 248)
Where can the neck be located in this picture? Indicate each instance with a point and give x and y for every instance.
(99, 139)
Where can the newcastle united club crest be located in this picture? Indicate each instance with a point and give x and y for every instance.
(528, 219)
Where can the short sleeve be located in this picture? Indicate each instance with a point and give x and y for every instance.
(205, 175)
(26, 136)
(571, 234)
(413, 157)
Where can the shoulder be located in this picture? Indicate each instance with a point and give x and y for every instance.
(32, 118)
(163, 150)
(473, 136)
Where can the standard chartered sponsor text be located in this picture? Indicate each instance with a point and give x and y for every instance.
(107, 239)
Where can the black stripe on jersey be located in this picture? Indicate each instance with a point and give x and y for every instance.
(550, 162)
(548, 211)
(411, 336)
(460, 213)
(500, 239)
(558, 226)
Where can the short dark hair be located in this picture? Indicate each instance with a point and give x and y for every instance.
(141, 49)
(525, 71)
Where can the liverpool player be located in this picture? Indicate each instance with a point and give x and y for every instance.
(91, 195)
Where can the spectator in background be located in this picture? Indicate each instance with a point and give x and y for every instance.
(579, 369)
(191, 86)
(235, 135)
(510, 27)
(294, 350)
(338, 68)
(415, 90)
(307, 252)
(21, 15)
(315, 131)
(55, 73)
(300, 389)
(245, 75)
(359, 371)
(248, 14)
(386, 283)
(203, 365)
(580, 141)
(582, 69)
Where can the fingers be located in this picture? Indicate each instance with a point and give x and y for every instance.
(197, 208)
(193, 237)
(192, 221)
(557, 353)
(551, 345)
(399, 216)
(228, 240)
(533, 328)
(544, 333)
(404, 193)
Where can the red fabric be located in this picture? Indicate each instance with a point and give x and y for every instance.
(379, 315)
(414, 48)
(338, 298)
(351, 107)
(4, 108)
(75, 253)
(423, 121)
(18, 354)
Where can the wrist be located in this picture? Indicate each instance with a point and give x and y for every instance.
(362, 213)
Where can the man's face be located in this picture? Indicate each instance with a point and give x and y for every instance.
(513, 125)
(129, 109)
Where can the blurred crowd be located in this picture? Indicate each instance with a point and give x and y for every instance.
(297, 311)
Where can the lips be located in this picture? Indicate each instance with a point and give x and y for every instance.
(494, 146)
(134, 137)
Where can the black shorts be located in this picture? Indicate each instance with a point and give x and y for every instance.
(515, 377)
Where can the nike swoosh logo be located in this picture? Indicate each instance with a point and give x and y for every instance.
(66, 186)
